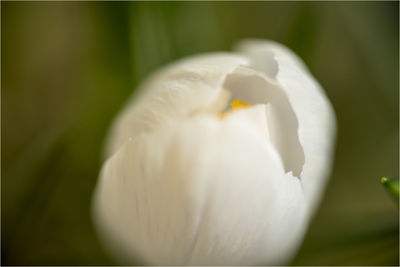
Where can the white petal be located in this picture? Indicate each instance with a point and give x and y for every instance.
(316, 119)
(175, 92)
(200, 191)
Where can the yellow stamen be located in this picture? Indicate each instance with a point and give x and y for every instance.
(238, 104)
(235, 105)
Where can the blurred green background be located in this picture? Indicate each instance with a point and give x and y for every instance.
(67, 69)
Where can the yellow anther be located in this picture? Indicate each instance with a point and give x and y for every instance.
(235, 105)
(238, 104)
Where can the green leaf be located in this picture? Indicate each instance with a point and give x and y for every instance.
(392, 186)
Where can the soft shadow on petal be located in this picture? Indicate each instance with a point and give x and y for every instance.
(256, 88)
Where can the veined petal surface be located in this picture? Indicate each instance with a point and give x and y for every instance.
(171, 199)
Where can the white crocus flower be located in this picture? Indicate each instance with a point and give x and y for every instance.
(189, 180)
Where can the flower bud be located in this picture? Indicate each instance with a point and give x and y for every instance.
(221, 160)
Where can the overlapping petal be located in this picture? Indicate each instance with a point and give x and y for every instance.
(174, 92)
(315, 115)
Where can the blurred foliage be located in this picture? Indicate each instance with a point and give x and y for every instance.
(68, 68)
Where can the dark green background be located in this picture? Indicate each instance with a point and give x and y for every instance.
(67, 69)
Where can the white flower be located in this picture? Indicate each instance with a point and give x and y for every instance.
(190, 181)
